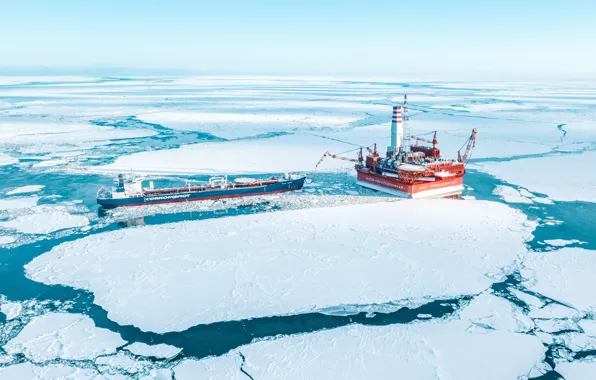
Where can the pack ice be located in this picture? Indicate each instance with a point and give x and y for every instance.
(63, 336)
(561, 177)
(565, 275)
(289, 153)
(45, 222)
(289, 262)
(49, 372)
(429, 350)
(5, 160)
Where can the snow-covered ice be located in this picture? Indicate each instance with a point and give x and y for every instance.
(276, 263)
(551, 326)
(588, 326)
(25, 133)
(120, 362)
(251, 122)
(413, 351)
(577, 370)
(563, 242)
(18, 203)
(63, 336)
(561, 177)
(26, 189)
(528, 299)
(553, 310)
(11, 310)
(510, 194)
(289, 153)
(5, 159)
(566, 275)
(214, 368)
(6, 239)
(157, 351)
(50, 163)
(488, 312)
(45, 222)
(158, 374)
(29, 371)
(4, 359)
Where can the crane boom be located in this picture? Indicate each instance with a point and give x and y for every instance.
(337, 157)
(471, 143)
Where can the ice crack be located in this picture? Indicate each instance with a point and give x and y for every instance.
(242, 366)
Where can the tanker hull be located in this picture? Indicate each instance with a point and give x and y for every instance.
(222, 192)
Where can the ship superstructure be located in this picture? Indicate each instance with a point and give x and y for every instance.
(411, 171)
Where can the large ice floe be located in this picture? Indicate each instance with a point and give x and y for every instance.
(289, 153)
(565, 275)
(289, 262)
(42, 132)
(18, 203)
(577, 370)
(158, 350)
(5, 160)
(63, 336)
(561, 177)
(29, 371)
(45, 222)
(247, 122)
(427, 350)
(26, 189)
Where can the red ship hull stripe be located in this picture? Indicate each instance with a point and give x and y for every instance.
(205, 199)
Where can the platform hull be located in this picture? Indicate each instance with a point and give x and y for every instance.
(447, 187)
(214, 194)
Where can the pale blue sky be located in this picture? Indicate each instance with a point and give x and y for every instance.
(303, 37)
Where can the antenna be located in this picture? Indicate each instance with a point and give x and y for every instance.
(406, 141)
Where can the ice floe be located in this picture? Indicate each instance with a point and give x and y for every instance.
(553, 310)
(158, 374)
(26, 189)
(63, 336)
(289, 153)
(50, 163)
(31, 371)
(528, 299)
(18, 203)
(6, 240)
(157, 351)
(414, 351)
(510, 194)
(45, 222)
(562, 242)
(561, 177)
(565, 275)
(588, 326)
(276, 263)
(551, 326)
(120, 362)
(577, 370)
(249, 122)
(28, 132)
(11, 309)
(5, 160)
(488, 312)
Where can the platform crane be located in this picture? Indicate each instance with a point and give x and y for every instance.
(470, 144)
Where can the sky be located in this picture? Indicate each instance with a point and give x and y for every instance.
(374, 37)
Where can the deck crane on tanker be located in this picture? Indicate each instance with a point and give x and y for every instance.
(410, 171)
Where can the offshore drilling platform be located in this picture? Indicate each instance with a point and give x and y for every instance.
(410, 171)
